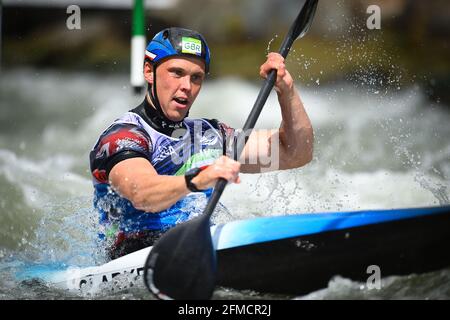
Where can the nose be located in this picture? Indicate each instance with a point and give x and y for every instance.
(185, 83)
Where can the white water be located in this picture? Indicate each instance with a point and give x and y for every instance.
(373, 149)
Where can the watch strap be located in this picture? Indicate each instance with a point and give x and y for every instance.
(191, 174)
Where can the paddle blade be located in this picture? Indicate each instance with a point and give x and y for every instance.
(183, 266)
(304, 19)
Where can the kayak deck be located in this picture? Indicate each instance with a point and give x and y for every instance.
(298, 254)
(305, 263)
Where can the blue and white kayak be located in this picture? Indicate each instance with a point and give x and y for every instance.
(299, 253)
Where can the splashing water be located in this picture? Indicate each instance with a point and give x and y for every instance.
(386, 150)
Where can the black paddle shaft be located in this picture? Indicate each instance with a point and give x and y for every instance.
(182, 264)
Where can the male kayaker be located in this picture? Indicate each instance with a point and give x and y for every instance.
(153, 167)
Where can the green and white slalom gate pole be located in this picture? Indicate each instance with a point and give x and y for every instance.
(1, 22)
(137, 46)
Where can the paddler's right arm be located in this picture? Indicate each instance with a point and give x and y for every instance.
(137, 180)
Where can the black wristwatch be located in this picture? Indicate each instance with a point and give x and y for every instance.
(188, 176)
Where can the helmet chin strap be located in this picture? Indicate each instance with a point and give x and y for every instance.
(165, 122)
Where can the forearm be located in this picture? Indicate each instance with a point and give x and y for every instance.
(160, 194)
(296, 133)
(292, 144)
(153, 193)
(136, 180)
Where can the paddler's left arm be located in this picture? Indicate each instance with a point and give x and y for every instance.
(291, 146)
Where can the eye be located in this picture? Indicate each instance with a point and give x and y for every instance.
(197, 78)
(176, 72)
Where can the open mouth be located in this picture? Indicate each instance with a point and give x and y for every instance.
(181, 101)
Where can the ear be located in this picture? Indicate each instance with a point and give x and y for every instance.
(148, 72)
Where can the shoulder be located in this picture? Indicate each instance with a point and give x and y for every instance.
(124, 129)
(209, 123)
(124, 136)
(128, 123)
(213, 123)
(222, 127)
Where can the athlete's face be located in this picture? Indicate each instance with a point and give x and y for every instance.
(178, 82)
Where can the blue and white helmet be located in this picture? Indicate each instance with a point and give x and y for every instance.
(177, 42)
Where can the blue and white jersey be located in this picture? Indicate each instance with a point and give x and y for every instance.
(197, 144)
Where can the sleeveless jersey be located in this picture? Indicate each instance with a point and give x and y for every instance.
(198, 144)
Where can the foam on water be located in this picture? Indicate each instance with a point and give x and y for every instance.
(373, 150)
